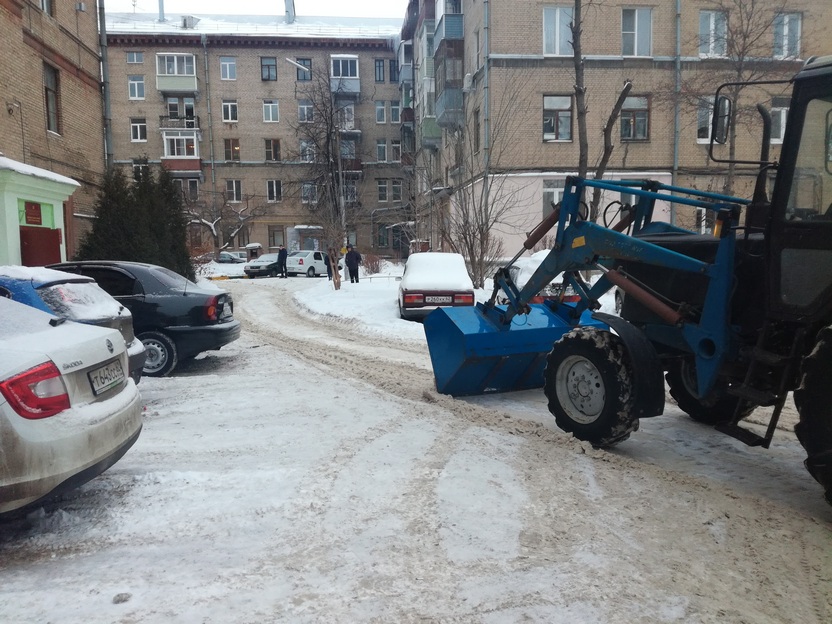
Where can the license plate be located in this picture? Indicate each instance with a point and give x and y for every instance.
(106, 377)
(438, 299)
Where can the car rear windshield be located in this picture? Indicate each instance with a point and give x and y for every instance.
(299, 253)
(80, 301)
(170, 278)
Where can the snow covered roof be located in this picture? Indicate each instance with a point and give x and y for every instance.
(22, 168)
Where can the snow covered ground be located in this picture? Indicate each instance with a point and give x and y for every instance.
(310, 472)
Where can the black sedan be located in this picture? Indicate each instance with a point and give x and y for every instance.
(173, 317)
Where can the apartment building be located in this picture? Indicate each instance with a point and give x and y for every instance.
(493, 96)
(51, 127)
(279, 129)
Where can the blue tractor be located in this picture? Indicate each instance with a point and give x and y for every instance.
(731, 320)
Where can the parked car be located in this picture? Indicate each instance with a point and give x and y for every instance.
(307, 262)
(174, 318)
(523, 269)
(265, 265)
(232, 257)
(68, 410)
(76, 298)
(432, 280)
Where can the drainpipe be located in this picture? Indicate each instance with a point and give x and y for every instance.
(486, 103)
(161, 10)
(105, 86)
(676, 104)
(204, 38)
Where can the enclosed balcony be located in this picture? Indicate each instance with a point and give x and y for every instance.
(449, 23)
(430, 134)
(344, 79)
(178, 123)
(449, 108)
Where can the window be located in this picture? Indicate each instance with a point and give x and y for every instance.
(234, 191)
(268, 68)
(394, 70)
(180, 143)
(713, 33)
(381, 150)
(703, 120)
(307, 151)
(348, 149)
(48, 7)
(272, 149)
(274, 191)
(175, 65)
(135, 87)
(557, 117)
(379, 70)
(636, 32)
(138, 130)
(382, 190)
(395, 111)
(309, 193)
(779, 112)
(306, 111)
(229, 110)
(396, 190)
(552, 194)
(635, 119)
(381, 111)
(344, 67)
(301, 74)
(557, 36)
(383, 236)
(232, 149)
(787, 35)
(189, 188)
(135, 57)
(52, 99)
(350, 191)
(228, 68)
(276, 236)
(476, 130)
(271, 111)
(140, 168)
(346, 116)
(396, 150)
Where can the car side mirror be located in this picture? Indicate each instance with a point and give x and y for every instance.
(398, 278)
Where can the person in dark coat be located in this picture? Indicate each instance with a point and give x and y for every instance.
(352, 259)
(282, 254)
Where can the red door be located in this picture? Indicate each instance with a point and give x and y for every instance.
(39, 246)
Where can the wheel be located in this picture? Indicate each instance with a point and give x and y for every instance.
(161, 354)
(715, 409)
(272, 273)
(619, 301)
(812, 399)
(587, 382)
(310, 272)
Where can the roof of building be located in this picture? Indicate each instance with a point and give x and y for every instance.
(7, 164)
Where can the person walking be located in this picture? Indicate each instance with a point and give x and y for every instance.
(282, 254)
(352, 260)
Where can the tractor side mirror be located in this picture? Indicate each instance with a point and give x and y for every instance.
(721, 122)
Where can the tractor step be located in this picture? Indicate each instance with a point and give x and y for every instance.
(757, 397)
(769, 358)
(743, 435)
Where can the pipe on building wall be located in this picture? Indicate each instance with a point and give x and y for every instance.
(676, 104)
(204, 39)
(105, 86)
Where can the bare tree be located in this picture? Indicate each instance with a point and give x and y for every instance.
(221, 219)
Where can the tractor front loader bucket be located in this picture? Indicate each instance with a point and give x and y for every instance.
(473, 353)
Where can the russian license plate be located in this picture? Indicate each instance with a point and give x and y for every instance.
(438, 299)
(107, 376)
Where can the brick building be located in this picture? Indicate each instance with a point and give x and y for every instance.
(243, 111)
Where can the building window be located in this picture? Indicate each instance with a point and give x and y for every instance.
(135, 57)
(552, 194)
(396, 190)
(396, 150)
(175, 65)
(48, 7)
(138, 130)
(276, 236)
(268, 68)
(381, 150)
(234, 191)
(382, 190)
(557, 117)
(274, 191)
(52, 97)
(309, 193)
(135, 87)
(189, 188)
(636, 32)
(348, 149)
(704, 113)
(635, 119)
(304, 76)
(713, 33)
(346, 116)
(180, 144)
(229, 110)
(271, 111)
(779, 112)
(350, 191)
(306, 111)
(394, 70)
(379, 63)
(232, 149)
(228, 68)
(557, 35)
(476, 130)
(345, 67)
(383, 236)
(273, 149)
(395, 111)
(381, 111)
(307, 151)
(787, 35)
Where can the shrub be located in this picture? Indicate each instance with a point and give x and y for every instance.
(373, 263)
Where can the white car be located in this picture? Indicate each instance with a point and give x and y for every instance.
(432, 280)
(307, 262)
(68, 409)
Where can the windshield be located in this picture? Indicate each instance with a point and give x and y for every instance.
(811, 192)
(299, 253)
(267, 258)
(171, 279)
(81, 301)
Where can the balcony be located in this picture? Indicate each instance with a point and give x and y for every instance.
(350, 127)
(405, 74)
(430, 134)
(344, 86)
(177, 84)
(408, 116)
(450, 26)
(178, 123)
(449, 108)
(352, 165)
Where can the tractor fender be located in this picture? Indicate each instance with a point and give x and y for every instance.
(647, 372)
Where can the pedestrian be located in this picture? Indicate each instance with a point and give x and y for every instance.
(332, 268)
(353, 259)
(282, 254)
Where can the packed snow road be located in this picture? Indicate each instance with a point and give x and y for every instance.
(311, 473)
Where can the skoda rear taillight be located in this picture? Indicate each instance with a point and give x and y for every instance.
(36, 393)
(212, 308)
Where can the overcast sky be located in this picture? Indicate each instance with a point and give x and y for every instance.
(349, 8)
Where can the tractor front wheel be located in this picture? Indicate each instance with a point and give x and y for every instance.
(587, 380)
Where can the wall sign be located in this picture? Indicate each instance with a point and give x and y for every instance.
(33, 214)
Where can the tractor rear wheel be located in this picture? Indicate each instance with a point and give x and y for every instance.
(716, 408)
(587, 381)
(814, 404)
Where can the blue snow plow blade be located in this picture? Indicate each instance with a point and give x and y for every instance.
(473, 354)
